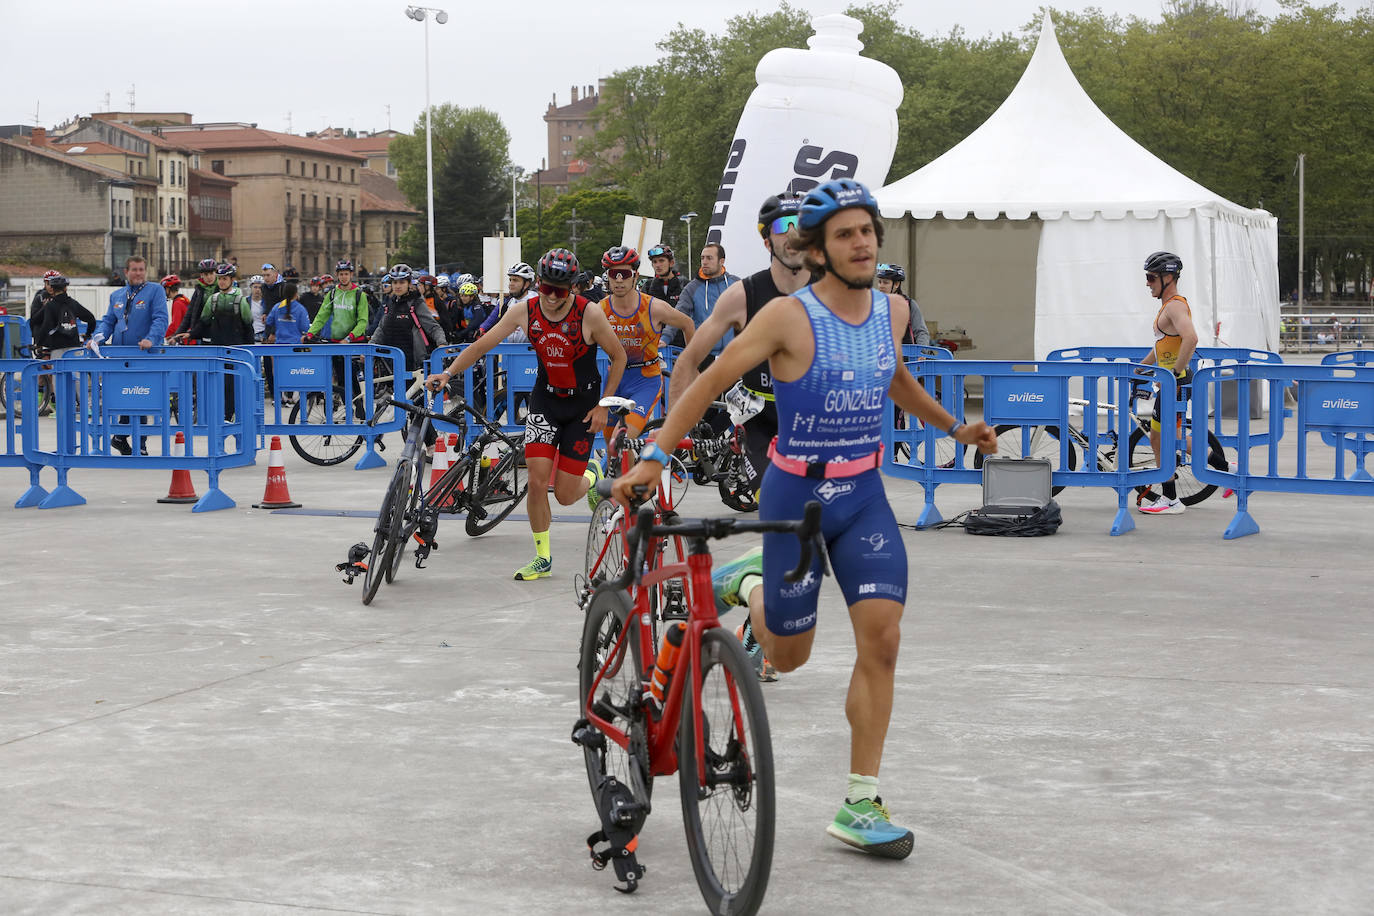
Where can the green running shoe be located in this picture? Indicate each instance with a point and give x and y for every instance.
(537, 568)
(867, 825)
(593, 473)
(727, 578)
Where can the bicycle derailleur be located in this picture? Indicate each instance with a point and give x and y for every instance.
(356, 564)
(424, 537)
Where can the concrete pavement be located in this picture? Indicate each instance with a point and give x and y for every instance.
(197, 716)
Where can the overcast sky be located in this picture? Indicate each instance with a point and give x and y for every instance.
(301, 65)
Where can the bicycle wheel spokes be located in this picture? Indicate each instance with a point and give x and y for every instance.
(605, 558)
(384, 547)
(501, 487)
(728, 803)
(611, 652)
(317, 448)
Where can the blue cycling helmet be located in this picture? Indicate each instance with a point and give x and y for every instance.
(825, 200)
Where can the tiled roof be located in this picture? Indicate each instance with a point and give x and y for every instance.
(89, 149)
(69, 161)
(363, 146)
(256, 138)
(215, 177)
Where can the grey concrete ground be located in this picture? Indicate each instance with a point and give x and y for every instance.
(197, 716)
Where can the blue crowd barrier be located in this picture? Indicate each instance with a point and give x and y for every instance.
(202, 351)
(1336, 403)
(1349, 358)
(1216, 356)
(509, 370)
(12, 445)
(1031, 395)
(317, 372)
(1358, 444)
(138, 397)
(15, 337)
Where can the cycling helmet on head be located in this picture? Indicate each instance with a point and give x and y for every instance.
(56, 281)
(49, 275)
(776, 207)
(206, 265)
(291, 273)
(468, 289)
(171, 280)
(825, 200)
(659, 251)
(523, 271)
(1164, 262)
(442, 282)
(344, 264)
(226, 270)
(892, 272)
(326, 279)
(620, 256)
(559, 267)
(464, 278)
(401, 272)
(386, 278)
(256, 278)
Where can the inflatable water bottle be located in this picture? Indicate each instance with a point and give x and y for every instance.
(818, 114)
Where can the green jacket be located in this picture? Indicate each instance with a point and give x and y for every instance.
(226, 319)
(346, 312)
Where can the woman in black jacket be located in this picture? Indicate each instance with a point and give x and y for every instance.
(54, 328)
(406, 323)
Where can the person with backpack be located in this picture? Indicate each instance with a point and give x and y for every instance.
(200, 291)
(344, 312)
(54, 328)
(406, 323)
(226, 320)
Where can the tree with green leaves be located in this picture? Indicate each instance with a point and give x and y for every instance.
(472, 172)
(600, 221)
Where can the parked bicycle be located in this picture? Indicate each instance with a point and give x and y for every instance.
(327, 449)
(690, 702)
(486, 480)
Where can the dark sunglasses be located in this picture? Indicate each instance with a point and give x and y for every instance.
(782, 224)
(1151, 278)
(553, 292)
(620, 273)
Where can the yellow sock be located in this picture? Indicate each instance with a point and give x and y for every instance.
(541, 544)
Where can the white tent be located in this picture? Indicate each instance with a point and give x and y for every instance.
(1064, 208)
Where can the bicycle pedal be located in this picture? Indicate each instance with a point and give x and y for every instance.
(586, 735)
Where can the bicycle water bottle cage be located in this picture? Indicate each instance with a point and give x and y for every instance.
(355, 565)
(621, 818)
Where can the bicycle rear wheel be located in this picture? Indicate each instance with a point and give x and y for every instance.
(605, 558)
(728, 807)
(324, 450)
(499, 493)
(1191, 491)
(383, 546)
(1044, 443)
(610, 649)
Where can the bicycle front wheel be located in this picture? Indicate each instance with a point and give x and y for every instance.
(325, 450)
(728, 804)
(605, 559)
(611, 651)
(498, 493)
(383, 547)
(407, 520)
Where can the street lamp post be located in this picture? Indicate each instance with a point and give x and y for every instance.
(687, 218)
(421, 14)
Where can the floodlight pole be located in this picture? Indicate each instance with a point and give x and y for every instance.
(422, 13)
(687, 218)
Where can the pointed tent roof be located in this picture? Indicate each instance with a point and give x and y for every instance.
(1049, 151)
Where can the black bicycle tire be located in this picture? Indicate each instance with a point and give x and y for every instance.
(508, 463)
(45, 401)
(408, 519)
(1053, 431)
(735, 495)
(608, 601)
(1184, 478)
(720, 649)
(299, 446)
(380, 555)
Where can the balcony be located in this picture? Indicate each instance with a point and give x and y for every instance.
(334, 216)
(311, 213)
(312, 244)
(291, 211)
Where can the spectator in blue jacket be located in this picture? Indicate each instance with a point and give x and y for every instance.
(288, 321)
(138, 311)
(699, 297)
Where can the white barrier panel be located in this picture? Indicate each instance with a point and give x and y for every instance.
(498, 254)
(642, 233)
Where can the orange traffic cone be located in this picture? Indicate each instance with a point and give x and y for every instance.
(276, 496)
(452, 442)
(181, 490)
(439, 467)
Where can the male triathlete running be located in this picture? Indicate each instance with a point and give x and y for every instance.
(833, 352)
(637, 319)
(742, 578)
(1175, 341)
(564, 416)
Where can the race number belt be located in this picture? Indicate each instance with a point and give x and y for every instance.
(820, 470)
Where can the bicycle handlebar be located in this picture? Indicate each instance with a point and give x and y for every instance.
(807, 529)
(408, 407)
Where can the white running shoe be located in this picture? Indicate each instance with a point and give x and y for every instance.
(1161, 505)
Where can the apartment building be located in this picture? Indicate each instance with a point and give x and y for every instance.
(295, 200)
(385, 216)
(372, 147)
